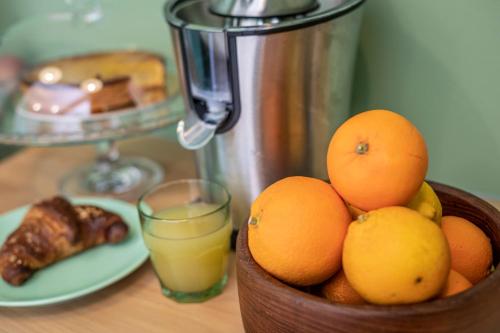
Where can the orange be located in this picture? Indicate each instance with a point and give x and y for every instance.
(339, 290)
(296, 230)
(377, 159)
(456, 284)
(471, 252)
(395, 255)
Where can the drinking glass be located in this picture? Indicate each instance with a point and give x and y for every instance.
(186, 226)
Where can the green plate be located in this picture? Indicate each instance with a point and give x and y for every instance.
(80, 274)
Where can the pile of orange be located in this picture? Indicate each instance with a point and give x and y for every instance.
(375, 234)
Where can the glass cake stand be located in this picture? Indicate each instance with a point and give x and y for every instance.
(62, 106)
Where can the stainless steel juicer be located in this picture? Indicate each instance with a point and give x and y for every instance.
(265, 85)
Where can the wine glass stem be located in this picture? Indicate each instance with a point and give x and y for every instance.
(107, 155)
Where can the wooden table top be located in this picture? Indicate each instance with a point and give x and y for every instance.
(134, 304)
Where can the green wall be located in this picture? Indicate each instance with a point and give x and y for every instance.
(436, 62)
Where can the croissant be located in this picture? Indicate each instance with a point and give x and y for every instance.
(53, 230)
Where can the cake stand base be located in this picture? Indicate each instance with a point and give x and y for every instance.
(122, 178)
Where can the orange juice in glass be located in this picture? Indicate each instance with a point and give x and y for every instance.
(187, 228)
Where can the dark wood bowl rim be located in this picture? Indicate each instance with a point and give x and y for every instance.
(434, 306)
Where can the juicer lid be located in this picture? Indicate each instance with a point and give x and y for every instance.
(227, 16)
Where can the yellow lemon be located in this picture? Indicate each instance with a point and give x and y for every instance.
(427, 203)
(395, 255)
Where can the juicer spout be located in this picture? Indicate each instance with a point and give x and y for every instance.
(194, 133)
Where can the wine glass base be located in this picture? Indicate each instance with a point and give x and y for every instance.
(126, 178)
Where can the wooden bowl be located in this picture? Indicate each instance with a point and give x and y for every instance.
(268, 305)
